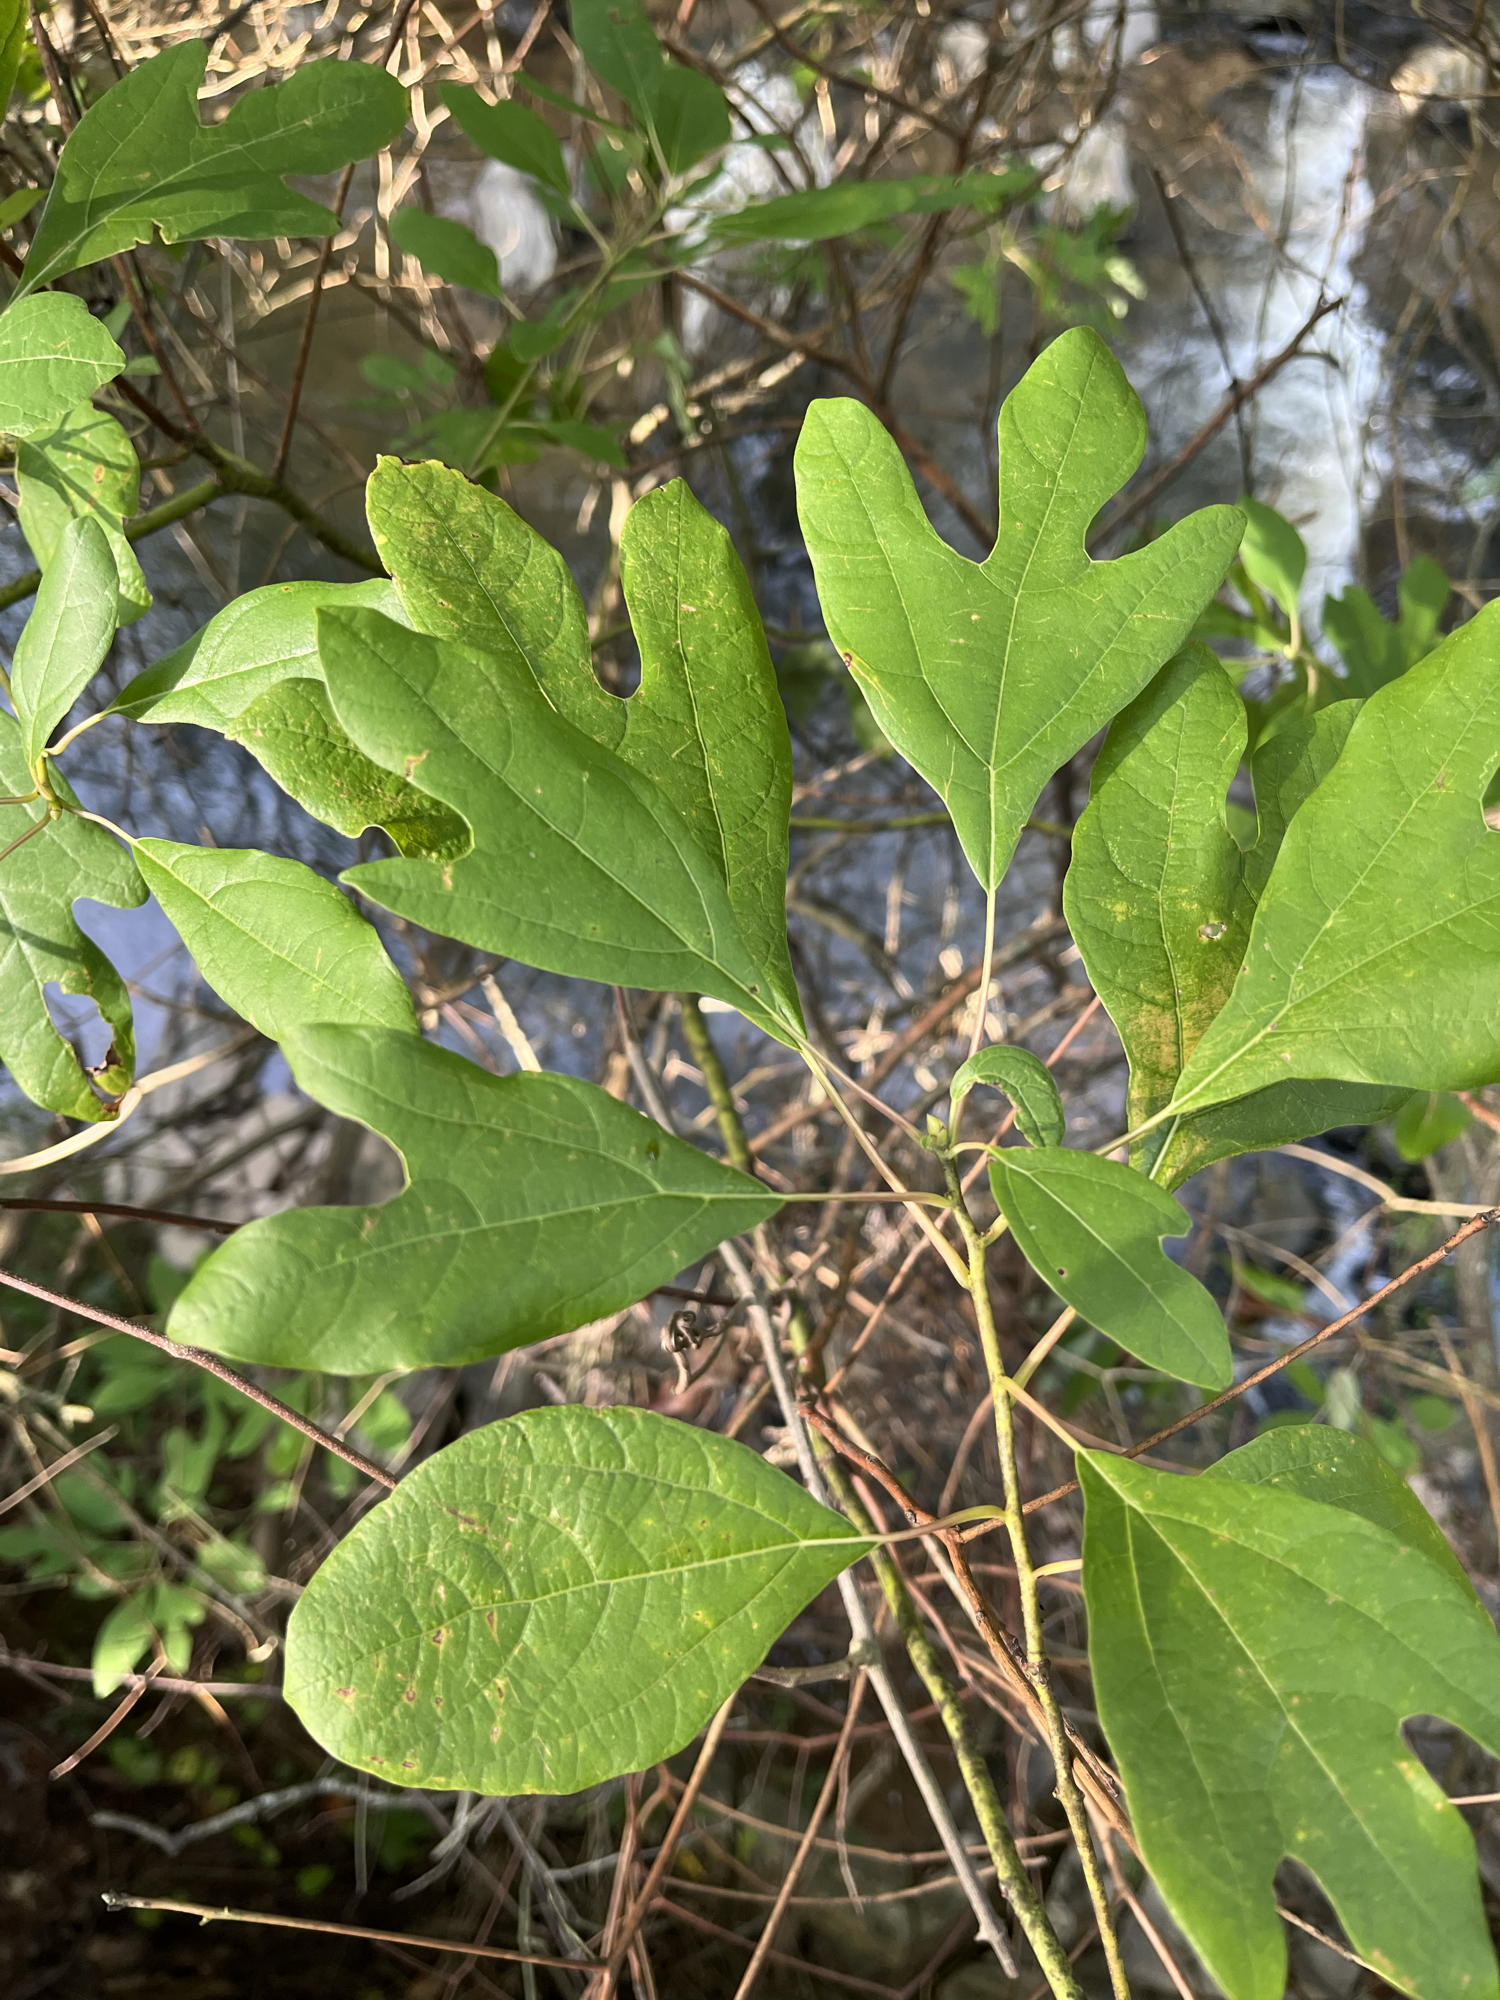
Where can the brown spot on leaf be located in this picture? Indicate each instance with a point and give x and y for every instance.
(344, 1694)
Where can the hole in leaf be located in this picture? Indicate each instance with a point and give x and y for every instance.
(77, 1019)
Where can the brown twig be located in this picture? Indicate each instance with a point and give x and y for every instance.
(212, 1365)
(1472, 1227)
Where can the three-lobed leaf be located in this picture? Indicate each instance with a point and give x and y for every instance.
(703, 742)
(41, 945)
(987, 676)
(1376, 945)
(1255, 1650)
(1092, 1230)
(575, 864)
(534, 1204)
(274, 940)
(140, 159)
(53, 355)
(583, 1590)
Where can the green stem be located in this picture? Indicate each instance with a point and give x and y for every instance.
(716, 1082)
(232, 475)
(1010, 1869)
(1026, 1582)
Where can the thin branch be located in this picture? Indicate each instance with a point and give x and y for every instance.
(1472, 1227)
(212, 1365)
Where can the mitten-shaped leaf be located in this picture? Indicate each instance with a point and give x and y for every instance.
(1092, 1230)
(577, 863)
(41, 944)
(987, 676)
(706, 726)
(535, 1203)
(140, 159)
(1255, 1651)
(1375, 949)
(274, 940)
(554, 1600)
(253, 674)
(1160, 901)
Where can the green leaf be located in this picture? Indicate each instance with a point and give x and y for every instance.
(1427, 1121)
(274, 940)
(706, 726)
(1287, 768)
(53, 355)
(1277, 1115)
(254, 675)
(1274, 555)
(140, 160)
(86, 466)
(577, 864)
(64, 641)
(1342, 1470)
(41, 945)
(988, 676)
(125, 1638)
(684, 110)
(620, 46)
(1026, 1080)
(1092, 1229)
(1160, 899)
(1154, 896)
(1375, 651)
(12, 42)
(1375, 949)
(581, 1591)
(818, 215)
(448, 250)
(690, 118)
(510, 132)
(468, 567)
(534, 1204)
(1254, 1653)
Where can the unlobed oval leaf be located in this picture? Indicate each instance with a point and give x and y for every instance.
(53, 355)
(1026, 1080)
(1092, 1229)
(274, 940)
(41, 945)
(64, 641)
(534, 1204)
(87, 465)
(554, 1600)
(988, 676)
(1254, 1653)
(510, 132)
